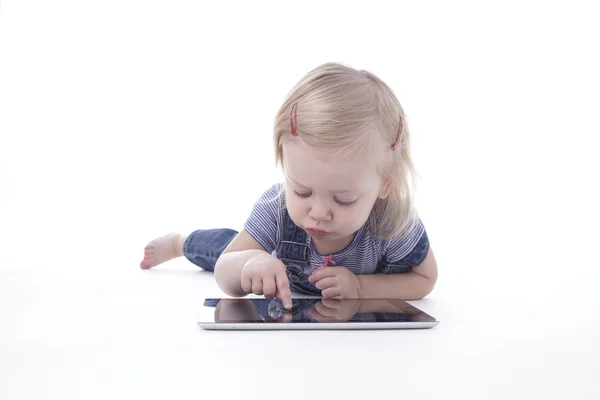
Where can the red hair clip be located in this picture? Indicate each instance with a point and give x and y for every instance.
(398, 135)
(293, 122)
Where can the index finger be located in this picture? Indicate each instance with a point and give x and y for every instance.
(283, 289)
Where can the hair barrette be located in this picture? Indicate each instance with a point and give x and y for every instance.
(398, 135)
(293, 121)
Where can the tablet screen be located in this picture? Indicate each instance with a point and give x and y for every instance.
(311, 311)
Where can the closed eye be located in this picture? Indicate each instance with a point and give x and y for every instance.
(303, 195)
(345, 203)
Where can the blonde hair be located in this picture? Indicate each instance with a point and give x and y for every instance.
(354, 114)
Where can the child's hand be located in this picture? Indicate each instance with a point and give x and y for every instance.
(336, 282)
(265, 274)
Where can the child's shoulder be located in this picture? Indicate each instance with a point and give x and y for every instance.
(406, 238)
(274, 192)
(265, 219)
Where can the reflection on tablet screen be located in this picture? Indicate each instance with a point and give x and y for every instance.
(315, 311)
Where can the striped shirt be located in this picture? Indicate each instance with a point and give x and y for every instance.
(361, 256)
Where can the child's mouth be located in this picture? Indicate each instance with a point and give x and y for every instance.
(317, 232)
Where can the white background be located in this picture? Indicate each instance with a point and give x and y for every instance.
(124, 120)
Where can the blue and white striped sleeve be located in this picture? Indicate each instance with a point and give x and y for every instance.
(263, 222)
(410, 249)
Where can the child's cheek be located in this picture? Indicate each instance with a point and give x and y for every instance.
(295, 209)
(354, 217)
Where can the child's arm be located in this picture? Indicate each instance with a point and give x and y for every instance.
(228, 269)
(410, 286)
(245, 267)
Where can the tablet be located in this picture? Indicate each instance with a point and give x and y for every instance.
(311, 313)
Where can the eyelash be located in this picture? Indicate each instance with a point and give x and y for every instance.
(306, 195)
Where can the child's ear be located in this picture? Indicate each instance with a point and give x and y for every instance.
(384, 192)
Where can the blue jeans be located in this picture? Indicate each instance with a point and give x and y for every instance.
(204, 246)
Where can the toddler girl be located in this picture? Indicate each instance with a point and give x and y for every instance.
(342, 224)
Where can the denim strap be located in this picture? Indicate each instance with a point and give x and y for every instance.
(293, 251)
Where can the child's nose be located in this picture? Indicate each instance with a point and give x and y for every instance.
(319, 212)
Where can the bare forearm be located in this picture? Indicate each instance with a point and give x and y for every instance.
(409, 286)
(228, 271)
